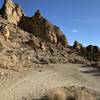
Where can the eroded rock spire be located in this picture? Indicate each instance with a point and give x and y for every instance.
(10, 11)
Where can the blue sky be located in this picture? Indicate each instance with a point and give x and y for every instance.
(78, 19)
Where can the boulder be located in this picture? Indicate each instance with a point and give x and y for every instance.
(12, 12)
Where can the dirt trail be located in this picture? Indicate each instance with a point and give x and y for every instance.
(36, 83)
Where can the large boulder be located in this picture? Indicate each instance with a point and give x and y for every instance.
(43, 29)
(10, 11)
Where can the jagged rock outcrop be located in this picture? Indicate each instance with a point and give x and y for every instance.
(43, 29)
(93, 53)
(37, 24)
(77, 45)
(92, 49)
(12, 12)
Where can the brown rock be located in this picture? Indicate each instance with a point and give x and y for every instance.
(12, 12)
(34, 42)
(93, 53)
(42, 46)
(43, 29)
(92, 49)
(77, 45)
(4, 29)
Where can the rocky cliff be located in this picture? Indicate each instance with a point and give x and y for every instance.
(36, 40)
(11, 11)
(43, 29)
(37, 24)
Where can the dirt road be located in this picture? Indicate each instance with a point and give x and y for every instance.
(39, 81)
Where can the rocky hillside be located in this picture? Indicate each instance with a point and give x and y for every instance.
(34, 52)
(26, 40)
(23, 49)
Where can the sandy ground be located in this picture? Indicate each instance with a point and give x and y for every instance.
(34, 82)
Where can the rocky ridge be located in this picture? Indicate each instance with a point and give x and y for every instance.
(36, 40)
(37, 24)
(91, 52)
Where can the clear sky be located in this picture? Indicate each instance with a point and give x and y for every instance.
(78, 19)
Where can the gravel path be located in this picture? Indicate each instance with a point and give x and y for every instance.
(39, 81)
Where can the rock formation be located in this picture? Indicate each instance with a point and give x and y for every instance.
(42, 35)
(90, 52)
(37, 24)
(93, 53)
(92, 49)
(77, 46)
(10, 11)
(43, 29)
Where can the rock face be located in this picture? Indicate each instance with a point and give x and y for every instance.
(43, 29)
(37, 24)
(10, 11)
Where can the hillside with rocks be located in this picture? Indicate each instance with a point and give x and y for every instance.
(32, 40)
(29, 41)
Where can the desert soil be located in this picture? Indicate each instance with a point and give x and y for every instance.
(34, 82)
